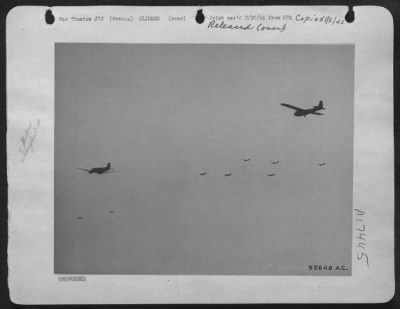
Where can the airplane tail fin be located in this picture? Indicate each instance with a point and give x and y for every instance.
(320, 105)
(108, 165)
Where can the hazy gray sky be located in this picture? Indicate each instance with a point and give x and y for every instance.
(161, 114)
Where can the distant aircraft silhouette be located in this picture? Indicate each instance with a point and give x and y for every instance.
(202, 174)
(79, 218)
(100, 170)
(304, 112)
(321, 164)
(275, 162)
(229, 174)
(111, 211)
(246, 160)
(273, 174)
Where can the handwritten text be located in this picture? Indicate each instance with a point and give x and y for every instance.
(28, 139)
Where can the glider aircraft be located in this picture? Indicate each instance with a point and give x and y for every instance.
(304, 112)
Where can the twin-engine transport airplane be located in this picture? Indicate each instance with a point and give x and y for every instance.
(100, 170)
(304, 112)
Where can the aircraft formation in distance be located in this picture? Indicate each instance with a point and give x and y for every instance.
(100, 170)
(245, 160)
(304, 112)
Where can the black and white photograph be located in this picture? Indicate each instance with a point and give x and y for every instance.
(203, 159)
(200, 155)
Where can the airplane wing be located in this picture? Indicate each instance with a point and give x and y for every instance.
(315, 113)
(82, 169)
(292, 107)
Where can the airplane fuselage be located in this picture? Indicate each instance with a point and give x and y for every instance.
(301, 112)
(306, 112)
(100, 170)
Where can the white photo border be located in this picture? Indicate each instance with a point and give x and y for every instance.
(30, 97)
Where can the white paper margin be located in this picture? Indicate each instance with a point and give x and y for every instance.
(30, 96)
